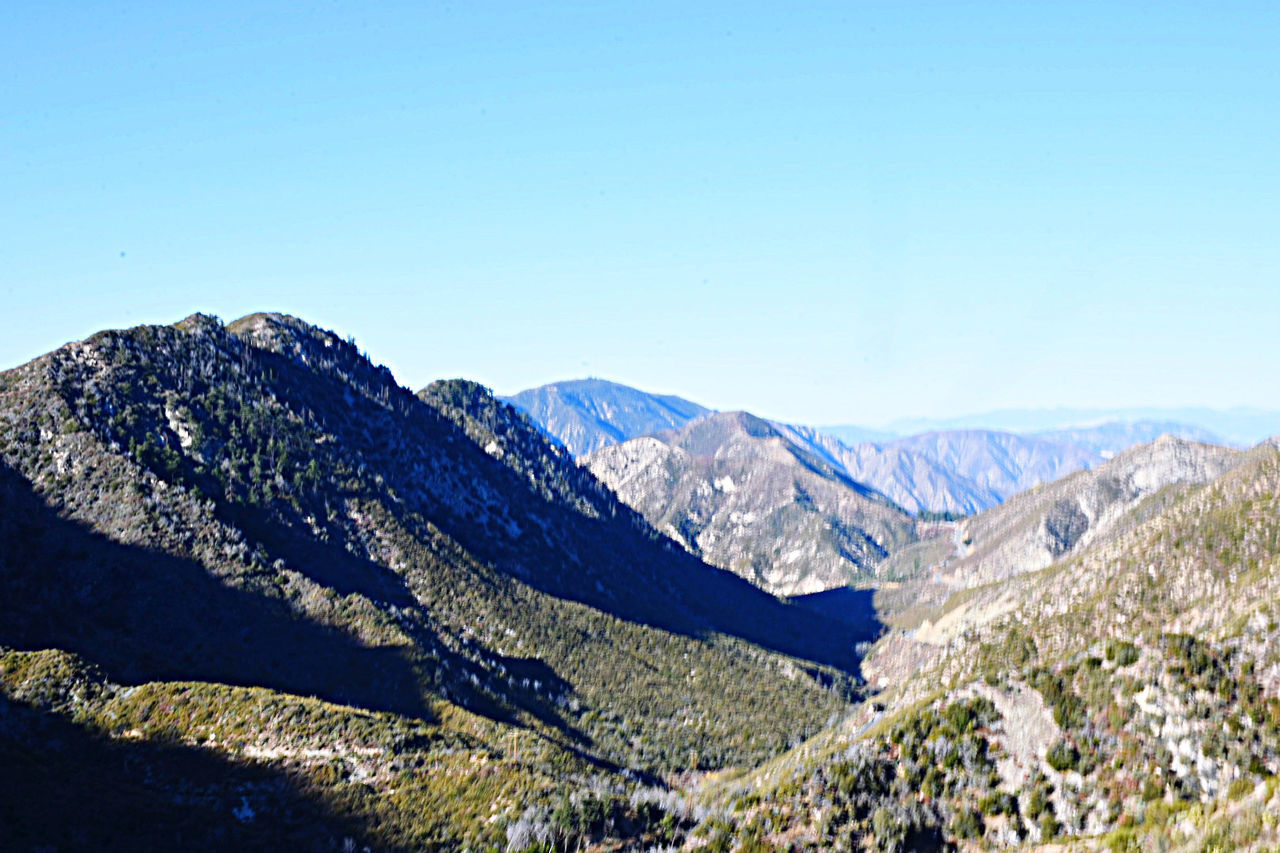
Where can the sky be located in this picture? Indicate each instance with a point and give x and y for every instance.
(830, 213)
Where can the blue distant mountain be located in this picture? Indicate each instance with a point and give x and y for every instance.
(1240, 426)
(588, 414)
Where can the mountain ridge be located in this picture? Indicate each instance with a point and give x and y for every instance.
(736, 490)
(258, 506)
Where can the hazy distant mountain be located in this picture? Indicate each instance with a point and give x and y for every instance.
(967, 471)
(1001, 463)
(910, 477)
(1241, 426)
(1111, 438)
(587, 414)
(737, 492)
(851, 434)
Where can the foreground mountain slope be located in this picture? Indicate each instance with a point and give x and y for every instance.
(258, 506)
(587, 414)
(734, 490)
(1125, 698)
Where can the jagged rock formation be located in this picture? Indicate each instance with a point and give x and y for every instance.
(734, 490)
(587, 414)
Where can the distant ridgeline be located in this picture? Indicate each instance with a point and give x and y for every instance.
(941, 472)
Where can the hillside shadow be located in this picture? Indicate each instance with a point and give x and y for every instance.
(145, 615)
(639, 576)
(617, 564)
(337, 569)
(65, 788)
(846, 605)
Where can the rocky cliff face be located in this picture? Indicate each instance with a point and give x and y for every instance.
(732, 489)
(587, 414)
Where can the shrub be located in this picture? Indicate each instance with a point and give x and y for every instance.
(1063, 757)
(1121, 652)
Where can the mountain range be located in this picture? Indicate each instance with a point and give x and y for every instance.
(256, 595)
(955, 471)
(1241, 426)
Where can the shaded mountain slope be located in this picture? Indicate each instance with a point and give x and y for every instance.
(587, 414)
(260, 505)
(734, 490)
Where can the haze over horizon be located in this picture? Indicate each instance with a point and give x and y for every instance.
(828, 215)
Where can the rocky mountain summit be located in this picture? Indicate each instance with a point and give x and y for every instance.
(733, 489)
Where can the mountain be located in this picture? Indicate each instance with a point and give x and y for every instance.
(1121, 698)
(912, 479)
(241, 568)
(1112, 437)
(1036, 528)
(1240, 425)
(734, 490)
(960, 471)
(254, 594)
(587, 414)
(954, 471)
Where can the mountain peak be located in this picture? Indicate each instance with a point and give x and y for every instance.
(587, 414)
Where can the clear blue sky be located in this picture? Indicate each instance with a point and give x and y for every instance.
(842, 212)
